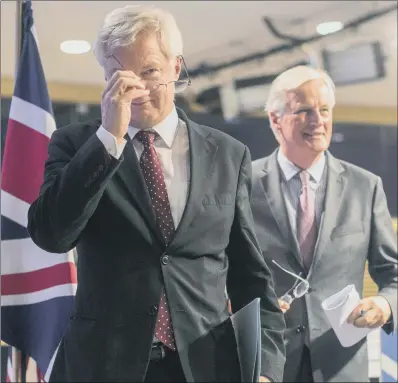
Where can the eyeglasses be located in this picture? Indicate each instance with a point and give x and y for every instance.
(298, 290)
(153, 85)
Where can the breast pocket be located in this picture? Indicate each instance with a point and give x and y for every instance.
(217, 199)
(347, 230)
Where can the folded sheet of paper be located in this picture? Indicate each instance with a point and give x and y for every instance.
(337, 309)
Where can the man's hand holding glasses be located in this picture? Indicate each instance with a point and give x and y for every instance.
(283, 305)
(298, 290)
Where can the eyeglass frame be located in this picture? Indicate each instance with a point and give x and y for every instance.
(288, 297)
(188, 81)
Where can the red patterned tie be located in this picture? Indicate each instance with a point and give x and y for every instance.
(154, 179)
(307, 230)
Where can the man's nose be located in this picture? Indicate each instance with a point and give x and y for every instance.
(316, 117)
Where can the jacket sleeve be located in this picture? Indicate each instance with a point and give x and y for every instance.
(74, 181)
(382, 257)
(249, 278)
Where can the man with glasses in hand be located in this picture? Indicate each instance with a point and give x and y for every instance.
(318, 220)
(157, 206)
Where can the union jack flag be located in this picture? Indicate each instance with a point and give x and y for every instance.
(37, 287)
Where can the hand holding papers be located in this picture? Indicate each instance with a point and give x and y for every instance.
(337, 309)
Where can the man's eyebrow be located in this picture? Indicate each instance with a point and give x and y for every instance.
(150, 64)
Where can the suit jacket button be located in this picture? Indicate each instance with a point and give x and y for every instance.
(153, 310)
(165, 259)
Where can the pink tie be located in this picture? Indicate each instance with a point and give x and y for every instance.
(154, 179)
(307, 230)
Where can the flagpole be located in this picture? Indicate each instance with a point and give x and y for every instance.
(20, 365)
(18, 34)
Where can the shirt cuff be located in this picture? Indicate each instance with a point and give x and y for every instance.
(114, 148)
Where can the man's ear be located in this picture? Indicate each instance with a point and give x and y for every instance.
(178, 67)
(274, 120)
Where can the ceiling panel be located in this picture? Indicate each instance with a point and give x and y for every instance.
(213, 31)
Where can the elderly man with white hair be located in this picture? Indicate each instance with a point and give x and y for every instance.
(158, 209)
(318, 220)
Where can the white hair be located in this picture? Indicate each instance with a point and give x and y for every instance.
(122, 26)
(292, 79)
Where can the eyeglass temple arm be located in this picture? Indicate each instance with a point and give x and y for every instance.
(289, 272)
(108, 57)
(182, 58)
(186, 69)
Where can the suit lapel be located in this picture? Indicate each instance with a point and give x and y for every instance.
(272, 187)
(129, 175)
(334, 195)
(202, 158)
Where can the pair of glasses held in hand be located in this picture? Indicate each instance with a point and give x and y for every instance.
(154, 85)
(298, 290)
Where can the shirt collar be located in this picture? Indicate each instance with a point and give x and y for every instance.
(289, 169)
(166, 128)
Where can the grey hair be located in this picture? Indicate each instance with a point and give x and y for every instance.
(122, 26)
(292, 79)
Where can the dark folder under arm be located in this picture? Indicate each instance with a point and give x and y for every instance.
(229, 352)
(247, 327)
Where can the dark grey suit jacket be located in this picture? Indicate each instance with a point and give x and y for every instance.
(101, 205)
(356, 228)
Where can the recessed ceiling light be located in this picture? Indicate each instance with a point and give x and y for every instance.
(75, 47)
(329, 27)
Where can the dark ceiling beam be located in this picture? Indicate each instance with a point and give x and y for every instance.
(272, 28)
(295, 42)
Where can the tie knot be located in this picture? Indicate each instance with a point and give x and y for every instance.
(146, 137)
(305, 177)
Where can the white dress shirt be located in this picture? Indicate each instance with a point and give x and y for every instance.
(172, 148)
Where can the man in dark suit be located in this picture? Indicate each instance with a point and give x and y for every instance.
(158, 208)
(321, 219)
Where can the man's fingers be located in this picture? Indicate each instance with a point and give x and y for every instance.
(374, 318)
(370, 319)
(124, 84)
(133, 94)
(375, 324)
(283, 305)
(126, 92)
(117, 75)
(361, 321)
(229, 307)
(356, 313)
(120, 81)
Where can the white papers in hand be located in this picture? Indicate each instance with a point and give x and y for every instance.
(337, 308)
